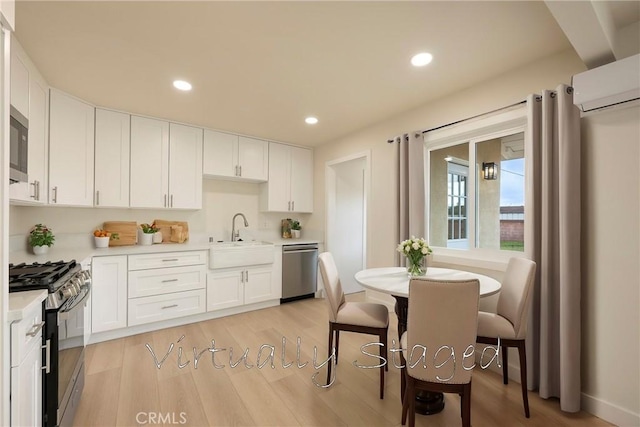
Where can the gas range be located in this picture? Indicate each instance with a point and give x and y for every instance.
(64, 280)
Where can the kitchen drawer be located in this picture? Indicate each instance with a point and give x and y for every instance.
(167, 259)
(25, 334)
(144, 283)
(163, 307)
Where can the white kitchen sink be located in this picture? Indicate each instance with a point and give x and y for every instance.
(238, 254)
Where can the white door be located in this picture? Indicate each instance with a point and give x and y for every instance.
(279, 178)
(112, 158)
(253, 158)
(346, 221)
(149, 163)
(185, 167)
(301, 180)
(220, 154)
(108, 293)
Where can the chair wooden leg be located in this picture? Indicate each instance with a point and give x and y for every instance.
(505, 364)
(405, 400)
(465, 404)
(337, 343)
(329, 352)
(522, 352)
(403, 378)
(383, 349)
(410, 394)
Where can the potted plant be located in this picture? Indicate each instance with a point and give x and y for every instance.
(145, 235)
(41, 238)
(103, 237)
(295, 229)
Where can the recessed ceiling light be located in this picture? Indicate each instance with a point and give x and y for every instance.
(421, 59)
(182, 85)
(311, 120)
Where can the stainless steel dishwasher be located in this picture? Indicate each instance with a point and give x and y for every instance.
(299, 271)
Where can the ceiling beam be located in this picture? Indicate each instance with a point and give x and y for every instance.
(589, 27)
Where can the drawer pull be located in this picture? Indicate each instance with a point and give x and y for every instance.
(169, 306)
(169, 280)
(47, 357)
(34, 331)
(170, 259)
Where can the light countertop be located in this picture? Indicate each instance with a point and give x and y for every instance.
(22, 302)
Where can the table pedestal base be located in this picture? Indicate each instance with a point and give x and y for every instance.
(429, 403)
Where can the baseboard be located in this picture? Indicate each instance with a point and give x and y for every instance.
(609, 412)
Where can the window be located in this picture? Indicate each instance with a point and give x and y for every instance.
(465, 210)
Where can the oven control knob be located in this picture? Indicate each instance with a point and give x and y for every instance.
(67, 292)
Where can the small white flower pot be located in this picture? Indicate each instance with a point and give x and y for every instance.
(102, 242)
(145, 239)
(40, 250)
(295, 234)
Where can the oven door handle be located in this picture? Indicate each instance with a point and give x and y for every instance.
(68, 313)
(47, 357)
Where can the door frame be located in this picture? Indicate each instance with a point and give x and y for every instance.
(330, 195)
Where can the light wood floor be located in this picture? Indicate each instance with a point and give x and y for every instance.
(124, 387)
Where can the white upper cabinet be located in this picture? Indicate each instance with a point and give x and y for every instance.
(112, 158)
(185, 167)
(19, 81)
(149, 163)
(8, 13)
(235, 157)
(71, 151)
(290, 186)
(30, 94)
(166, 165)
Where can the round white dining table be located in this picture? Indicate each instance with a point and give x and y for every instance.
(395, 281)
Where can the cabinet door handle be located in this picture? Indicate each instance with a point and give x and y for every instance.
(236, 171)
(170, 260)
(171, 198)
(246, 275)
(47, 357)
(289, 206)
(54, 199)
(35, 190)
(293, 205)
(169, 306)
(242, 276)
(164, 204)
(169, 280)
(97, 197)
(34, 331)
(240, 170)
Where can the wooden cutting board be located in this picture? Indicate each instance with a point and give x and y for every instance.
(165, 228)
(127, 230)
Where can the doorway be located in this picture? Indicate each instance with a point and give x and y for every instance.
(347, 182)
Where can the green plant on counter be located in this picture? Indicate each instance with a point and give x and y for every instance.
(295, 225)
(149, 229)
(41, 235)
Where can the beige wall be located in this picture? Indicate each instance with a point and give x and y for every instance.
(611, 255)
(489, 195)
(610, 225)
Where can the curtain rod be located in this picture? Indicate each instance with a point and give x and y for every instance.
(476, 116)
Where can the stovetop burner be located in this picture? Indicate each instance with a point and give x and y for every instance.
(26, 277)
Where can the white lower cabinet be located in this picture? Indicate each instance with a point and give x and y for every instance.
(239, 286)
(108, 293)
(166, 306)
(26, 369)
(166, 285)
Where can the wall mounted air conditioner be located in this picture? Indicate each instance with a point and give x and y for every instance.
(611, 84)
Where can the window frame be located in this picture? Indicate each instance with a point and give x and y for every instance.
(502, 123)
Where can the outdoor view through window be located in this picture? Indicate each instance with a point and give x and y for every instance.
(499, 199)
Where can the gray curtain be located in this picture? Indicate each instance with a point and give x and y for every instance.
(553, 207)
(410, 149)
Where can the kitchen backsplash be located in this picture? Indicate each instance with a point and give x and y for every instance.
(221, 200)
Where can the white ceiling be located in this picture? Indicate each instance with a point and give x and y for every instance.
(259, 68)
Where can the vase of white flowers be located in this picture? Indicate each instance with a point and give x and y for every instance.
(415, 250)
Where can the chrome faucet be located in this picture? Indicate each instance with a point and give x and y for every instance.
(235, 234)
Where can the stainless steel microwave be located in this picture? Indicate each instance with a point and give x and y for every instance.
(19, 147)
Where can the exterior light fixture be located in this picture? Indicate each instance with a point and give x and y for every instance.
(489, 170)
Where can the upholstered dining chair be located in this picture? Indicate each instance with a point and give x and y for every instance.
(443, 318)
(361, 317)
(509, 323)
